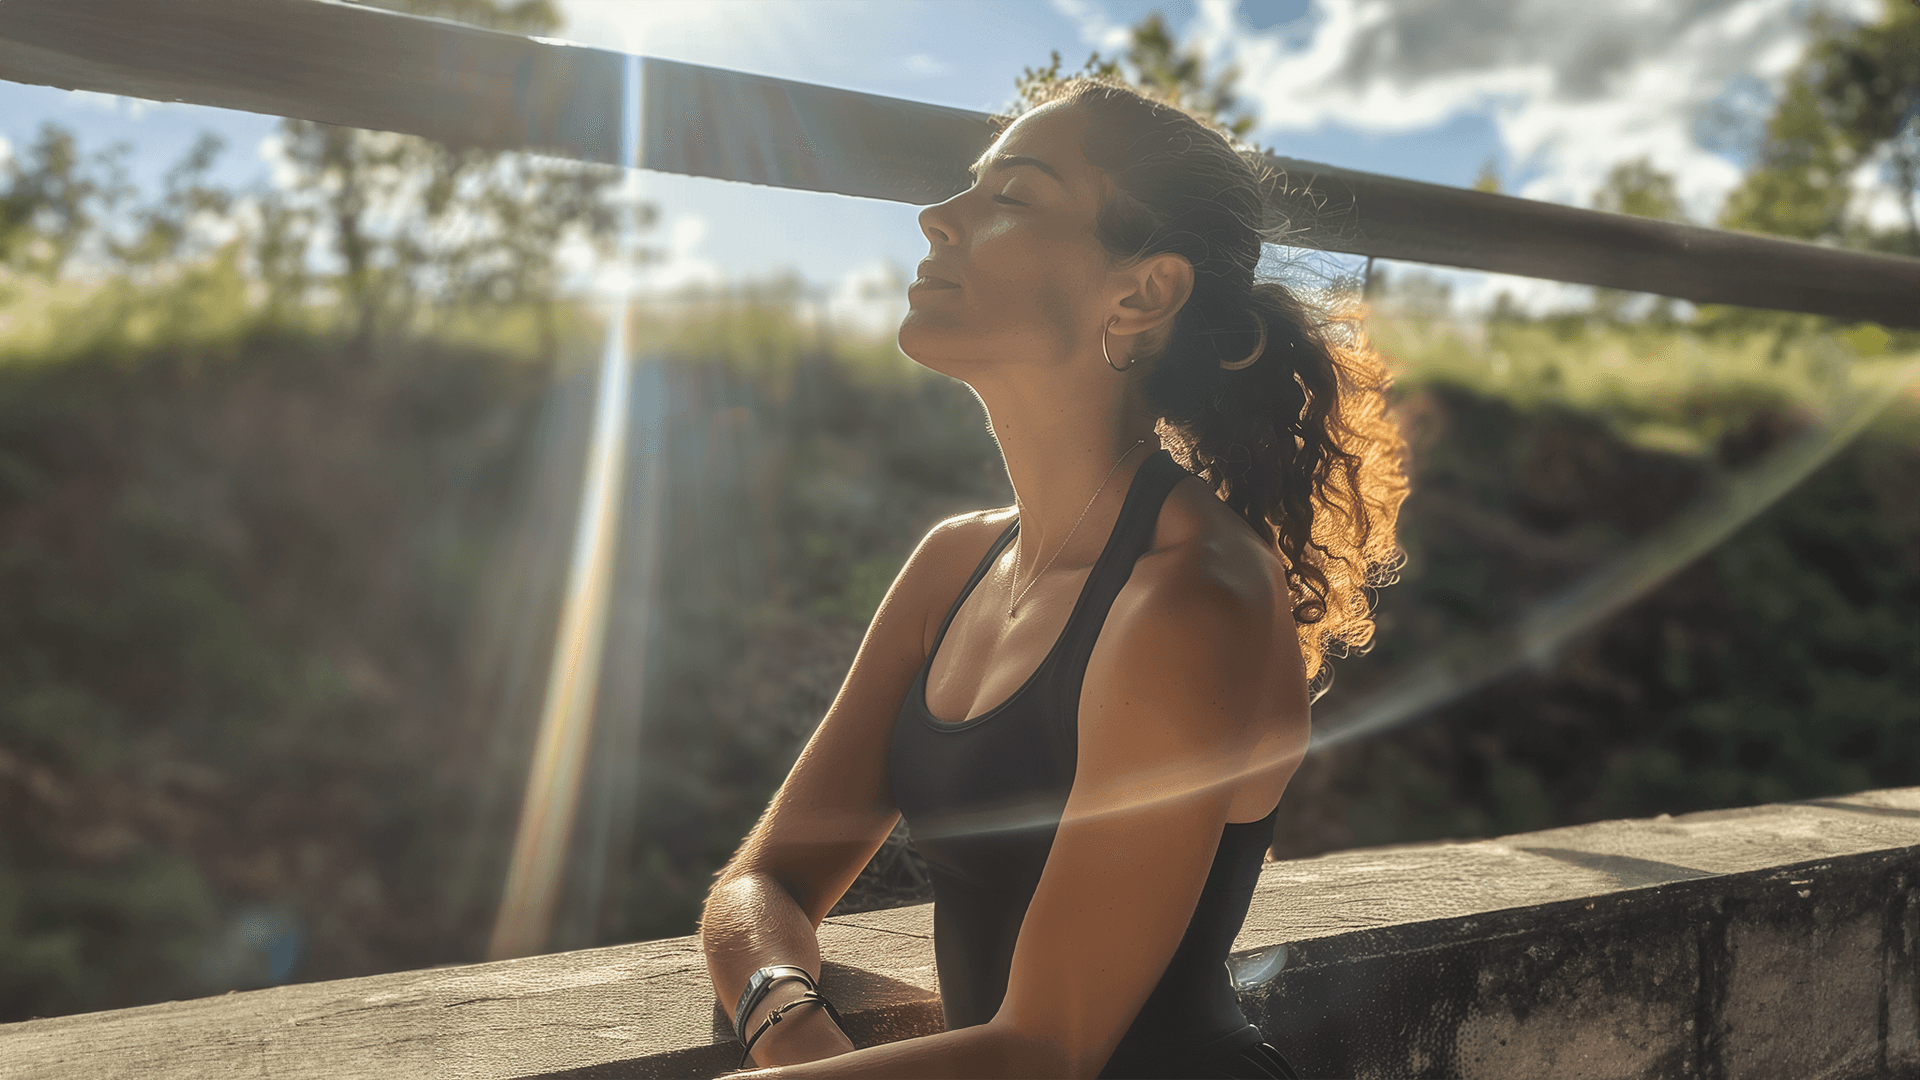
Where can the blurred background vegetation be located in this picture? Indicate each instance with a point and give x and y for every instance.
(281, 549)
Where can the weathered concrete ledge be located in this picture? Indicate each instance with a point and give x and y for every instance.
(1775, 941)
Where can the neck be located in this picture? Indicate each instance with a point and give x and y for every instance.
(1060, 445)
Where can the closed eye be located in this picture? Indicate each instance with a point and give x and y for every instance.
(1010, 202)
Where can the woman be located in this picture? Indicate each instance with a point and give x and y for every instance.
(1088, 704)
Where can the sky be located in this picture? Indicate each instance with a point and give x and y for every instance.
(1551, 93)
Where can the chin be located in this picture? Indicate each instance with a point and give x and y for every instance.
(922, 345)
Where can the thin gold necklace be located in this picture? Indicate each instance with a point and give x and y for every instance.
(1063, 543)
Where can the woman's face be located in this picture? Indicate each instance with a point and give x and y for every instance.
(1025, 281)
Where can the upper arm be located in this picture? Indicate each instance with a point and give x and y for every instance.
(835, 808)
(1194, 687)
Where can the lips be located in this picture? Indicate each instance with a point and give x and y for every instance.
(929, 280)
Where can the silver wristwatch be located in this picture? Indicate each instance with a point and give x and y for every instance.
(757, 986)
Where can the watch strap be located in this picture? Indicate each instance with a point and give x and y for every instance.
(758, 984)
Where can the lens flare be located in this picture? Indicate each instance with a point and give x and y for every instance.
(552, 797)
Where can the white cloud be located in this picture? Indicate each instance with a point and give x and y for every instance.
(680, 263)
(272, 149)
(133, 108)
(1095, 28)
(925, 65)
(1876, 198)
(1573, 89)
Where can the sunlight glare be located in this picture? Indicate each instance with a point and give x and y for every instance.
(751, 27)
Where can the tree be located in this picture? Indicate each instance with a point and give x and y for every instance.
(413, 221)
(1798, 186)
(500, 220)
(1488, 179)
(164, 228)
(54, 201)
(1868, 79)
(1636, 188)
(1152, 61)
(1853, 102)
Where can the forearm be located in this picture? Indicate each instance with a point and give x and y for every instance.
(971, 1053)
(750, 922)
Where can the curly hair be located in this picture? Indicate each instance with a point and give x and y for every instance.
(1299, 442)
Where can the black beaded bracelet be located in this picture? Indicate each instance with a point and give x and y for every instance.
(811, 997)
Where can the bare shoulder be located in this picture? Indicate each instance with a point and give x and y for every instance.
(948, 556)
(977, 528)
(1205, 616)
(1203, 553)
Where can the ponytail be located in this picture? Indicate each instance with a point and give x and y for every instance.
(1299, 443)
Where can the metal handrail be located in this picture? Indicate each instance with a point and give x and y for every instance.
(346, 64)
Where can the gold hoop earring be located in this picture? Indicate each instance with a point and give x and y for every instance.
(1103, 347)
(1258, 347)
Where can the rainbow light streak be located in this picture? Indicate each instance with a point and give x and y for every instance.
(573, 681)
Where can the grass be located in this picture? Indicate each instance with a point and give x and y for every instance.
(1673, 388)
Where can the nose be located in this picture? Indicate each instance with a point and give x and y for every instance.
(937, 222)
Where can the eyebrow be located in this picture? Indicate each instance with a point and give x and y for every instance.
(1008, 161)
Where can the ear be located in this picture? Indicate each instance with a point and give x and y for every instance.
(1157, 287)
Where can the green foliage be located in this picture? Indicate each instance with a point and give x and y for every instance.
(475, 228)
(867, 580)
(1782, 666)
(1488, 178)
(54, 199)
(1854, 96)
(1799, 188)
(233, 596)
(164, 229)
(1415, 297)
(798, 478)
(76, 937)
(1809, 684)
(1153, 62)
(1868, 79)
(421, 233)
(1854, 100)
(1674, 387)
(1637, 188)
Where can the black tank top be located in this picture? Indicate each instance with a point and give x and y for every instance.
(982, 800)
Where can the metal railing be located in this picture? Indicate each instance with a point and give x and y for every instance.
(341, 63)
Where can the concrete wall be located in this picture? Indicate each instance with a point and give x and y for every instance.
(1776, 941)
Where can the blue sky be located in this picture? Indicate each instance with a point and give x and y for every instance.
(1554, 92)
